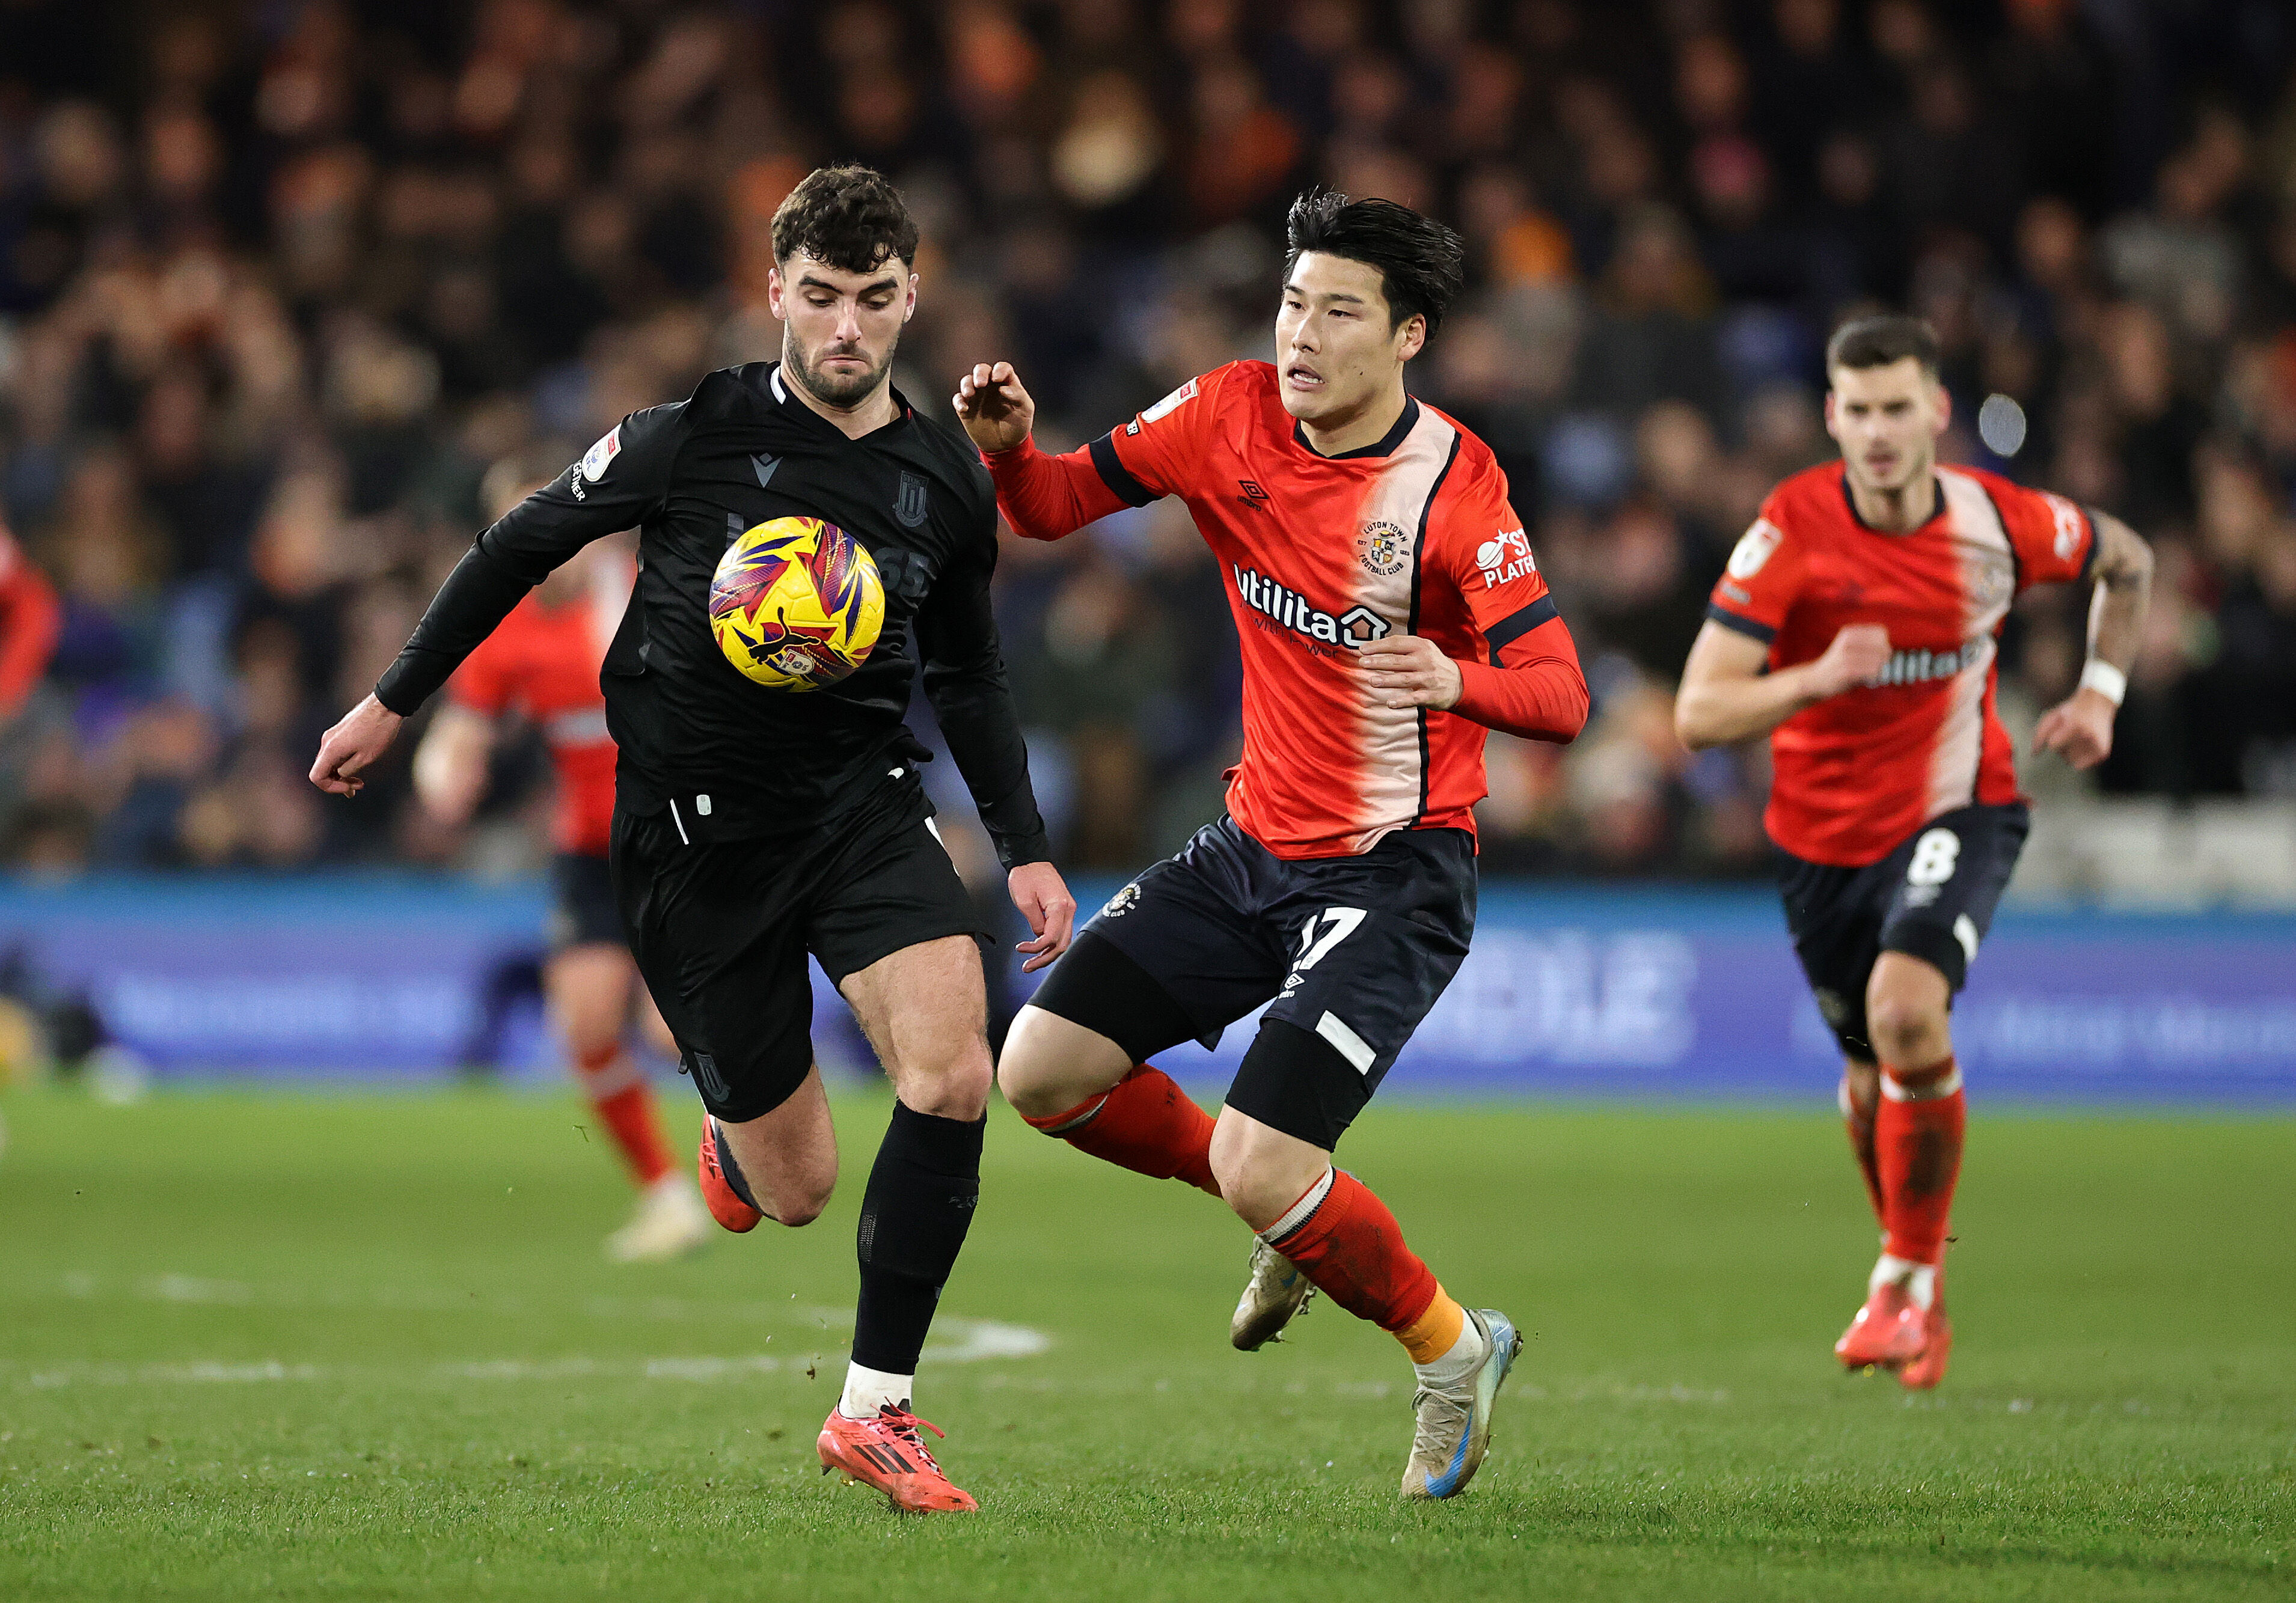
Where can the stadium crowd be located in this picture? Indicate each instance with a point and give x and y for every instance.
(287, 293)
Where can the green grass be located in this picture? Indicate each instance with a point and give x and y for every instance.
(366, 1347)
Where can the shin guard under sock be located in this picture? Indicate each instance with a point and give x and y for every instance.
(914, 1218)
(1345, 1241)
(1918, 1148)
(1144, 1123)
(1859, 1123)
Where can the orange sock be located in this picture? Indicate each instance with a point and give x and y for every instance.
(1860, 1125)
(1344, 1239)
(1436, 1331)
(1146, 1123)
(617, 1090)
(1917, 1148)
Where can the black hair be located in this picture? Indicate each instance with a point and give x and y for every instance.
(1879, 341)
(1421, 264)
(848, 216)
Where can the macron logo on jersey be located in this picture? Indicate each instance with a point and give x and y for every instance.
(1354, 628)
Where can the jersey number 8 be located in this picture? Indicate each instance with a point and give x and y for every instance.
(1934, 855)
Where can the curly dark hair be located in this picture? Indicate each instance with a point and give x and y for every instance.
(1421, 264)
(848, 216)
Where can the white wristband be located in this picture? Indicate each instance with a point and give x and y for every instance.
(2105, 680)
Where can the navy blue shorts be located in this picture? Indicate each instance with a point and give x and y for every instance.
(1349, 952)
(1932, 899)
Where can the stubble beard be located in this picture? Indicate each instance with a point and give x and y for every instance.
(844, 394)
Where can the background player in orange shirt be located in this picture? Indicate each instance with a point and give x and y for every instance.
(1389, 613)
(1856, 626)
(542, 665)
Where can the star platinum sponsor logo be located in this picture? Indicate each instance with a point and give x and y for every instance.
(1354, 628)
(1382, 548)
(1925, 667)
(1505, 559)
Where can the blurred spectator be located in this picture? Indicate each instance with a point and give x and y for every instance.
(278, 290)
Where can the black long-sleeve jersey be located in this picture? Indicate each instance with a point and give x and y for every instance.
(739, 759)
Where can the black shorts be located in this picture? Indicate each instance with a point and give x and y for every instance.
(582, 910)
(1352, 950)
(1932, 898)
(721, 931)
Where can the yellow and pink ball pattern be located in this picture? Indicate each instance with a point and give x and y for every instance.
(797, 603)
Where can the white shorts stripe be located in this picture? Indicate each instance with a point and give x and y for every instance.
(1350, 1045)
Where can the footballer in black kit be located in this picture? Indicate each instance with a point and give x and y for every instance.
(755, 824)
(820, 788)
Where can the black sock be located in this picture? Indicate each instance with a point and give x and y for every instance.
(735, 1180)
(914, 1218)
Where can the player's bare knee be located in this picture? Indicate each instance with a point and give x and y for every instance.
(955, 1086)
(1050, 1064)
(1260, 1173)
(1029, 1095)
(1029, 1076)
(1906, 1030)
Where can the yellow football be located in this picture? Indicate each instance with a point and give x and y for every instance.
(797, 603)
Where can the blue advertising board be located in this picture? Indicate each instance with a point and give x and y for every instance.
(1639, 993)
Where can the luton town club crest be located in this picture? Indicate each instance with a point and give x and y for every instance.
(1382, 548)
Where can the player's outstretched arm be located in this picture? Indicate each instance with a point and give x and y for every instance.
(1726, 696)
(1042, 498)
(352, 747)
(2080, 728)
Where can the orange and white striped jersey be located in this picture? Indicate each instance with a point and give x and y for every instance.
(1858, 773)
(543, 663)
(1321, 556)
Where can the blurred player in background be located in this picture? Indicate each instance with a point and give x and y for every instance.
(1856, 626)
(753, 825)
(30, 619)
(542, 665)
(1389, 613)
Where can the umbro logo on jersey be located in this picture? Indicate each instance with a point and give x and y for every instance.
(763, 466)
(1354, 628)
(1252, 495)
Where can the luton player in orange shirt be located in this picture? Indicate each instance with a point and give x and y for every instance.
(1856, 626)
(1391, 613)
(542, 665)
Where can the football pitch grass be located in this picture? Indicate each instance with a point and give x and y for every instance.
(367, 1346)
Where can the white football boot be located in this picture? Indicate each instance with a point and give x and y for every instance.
(1276, 1291)
(1455, 1424)
(668, 1223)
